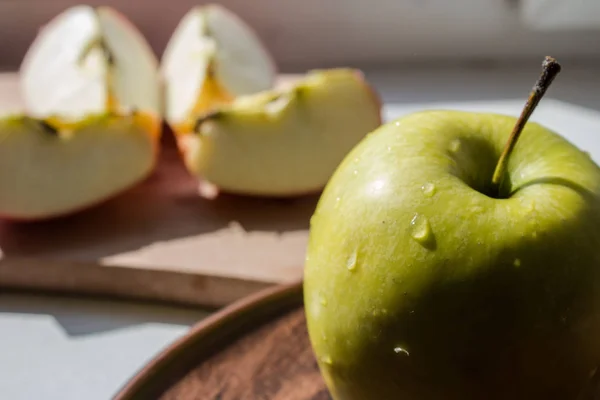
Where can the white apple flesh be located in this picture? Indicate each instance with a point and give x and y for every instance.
(212, 57)
(48, 171)
(284, 142)
(89, 61)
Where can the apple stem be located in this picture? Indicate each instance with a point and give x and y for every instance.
(550, 68)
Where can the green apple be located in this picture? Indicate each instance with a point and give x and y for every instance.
(426, 280)
(212, 57)
(286, 141)
(48, 169)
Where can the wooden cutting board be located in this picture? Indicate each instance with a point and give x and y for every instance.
(159, 241)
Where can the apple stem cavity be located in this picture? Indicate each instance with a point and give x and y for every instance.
(550, 68)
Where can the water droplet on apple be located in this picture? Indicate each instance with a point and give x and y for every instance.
(454, 145)
(397, 123)
(517, 262)
(352, 260)
(326, 360)
(401, 350)
(356, 159)
(428, 189)
(389, 148)
(420, 230)
(355, 172)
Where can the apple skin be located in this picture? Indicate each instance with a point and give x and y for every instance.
(476, 298)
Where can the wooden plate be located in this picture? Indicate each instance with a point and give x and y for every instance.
(257, 348)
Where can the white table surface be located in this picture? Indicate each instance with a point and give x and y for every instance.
(74, 349)
(79, 349)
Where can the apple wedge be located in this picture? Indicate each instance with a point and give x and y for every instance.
(88, 61)
(212, 57)
(283, 142)
(49, 169)
(91, 126)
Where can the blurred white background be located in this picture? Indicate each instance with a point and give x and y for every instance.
(317, 33)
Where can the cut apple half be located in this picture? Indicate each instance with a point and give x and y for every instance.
(212, 57)
(283, 142)
(88, 61)
(49, 168)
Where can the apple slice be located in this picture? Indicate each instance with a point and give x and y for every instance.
(89, 61)
(283, 142)
(48, 169)
(212, 57)
(90, 86)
